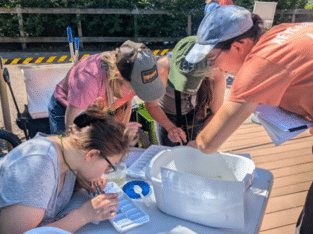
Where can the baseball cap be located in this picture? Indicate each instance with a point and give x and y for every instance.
(184, 76)
(136, 63)
(219, 25)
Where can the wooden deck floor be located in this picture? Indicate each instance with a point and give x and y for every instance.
(292, 166)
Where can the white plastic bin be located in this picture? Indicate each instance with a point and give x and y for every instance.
(204, 188)
(40, 82)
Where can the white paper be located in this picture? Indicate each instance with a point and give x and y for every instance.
(281, 125)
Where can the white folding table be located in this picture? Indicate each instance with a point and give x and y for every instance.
(161, 223)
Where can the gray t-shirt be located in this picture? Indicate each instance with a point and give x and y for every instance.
(30, 175)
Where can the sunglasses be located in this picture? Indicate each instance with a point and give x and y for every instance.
(212, 58)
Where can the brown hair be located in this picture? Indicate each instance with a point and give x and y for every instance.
(104, 133)
(255, 33)
(204, 98)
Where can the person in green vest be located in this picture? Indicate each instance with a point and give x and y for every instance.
(194, 93)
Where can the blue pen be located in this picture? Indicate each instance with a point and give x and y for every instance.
(76, 44)
(70, 41)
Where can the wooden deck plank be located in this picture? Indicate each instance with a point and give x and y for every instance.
(286, 162)
(286, 202)
(293, 179)
(292, 170)
(280, 219)
(295, 188)
(281, 230)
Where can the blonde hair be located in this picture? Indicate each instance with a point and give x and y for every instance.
(208, 1)
(114, 77)
(103, 133)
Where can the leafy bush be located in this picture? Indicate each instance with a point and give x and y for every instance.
(172, 25)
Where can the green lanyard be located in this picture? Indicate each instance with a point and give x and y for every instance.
(62, 150)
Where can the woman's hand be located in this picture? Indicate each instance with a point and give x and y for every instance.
(100, 183)
(192, 144)
(133, 127)
(99, 208)
(176, 134)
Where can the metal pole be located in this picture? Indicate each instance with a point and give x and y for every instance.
(5, 102)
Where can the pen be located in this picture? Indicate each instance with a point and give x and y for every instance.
(98, 191)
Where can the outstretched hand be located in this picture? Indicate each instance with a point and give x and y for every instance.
(176, 134)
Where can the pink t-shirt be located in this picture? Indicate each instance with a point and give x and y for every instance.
(84, 83)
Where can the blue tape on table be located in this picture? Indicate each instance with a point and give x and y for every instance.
(128, 188)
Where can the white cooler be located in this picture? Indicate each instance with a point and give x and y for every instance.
(40, 83)
(208, 189)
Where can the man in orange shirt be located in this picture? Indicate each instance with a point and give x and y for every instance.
(274, 68)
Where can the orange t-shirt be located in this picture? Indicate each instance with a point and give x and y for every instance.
(279, 70)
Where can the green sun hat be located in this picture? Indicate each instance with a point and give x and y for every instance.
(184, 76)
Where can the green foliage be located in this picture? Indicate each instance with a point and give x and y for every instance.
(47, 25)
(173, 25)
(309, 5)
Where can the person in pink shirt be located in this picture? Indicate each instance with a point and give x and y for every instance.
(112, 78)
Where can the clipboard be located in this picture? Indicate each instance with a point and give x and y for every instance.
(281, 125)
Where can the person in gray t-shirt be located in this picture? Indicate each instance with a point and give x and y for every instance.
(37, 177)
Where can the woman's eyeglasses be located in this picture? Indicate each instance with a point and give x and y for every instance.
(112, 167)
(212, 58)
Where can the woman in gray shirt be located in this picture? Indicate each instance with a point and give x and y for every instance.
(37, 178)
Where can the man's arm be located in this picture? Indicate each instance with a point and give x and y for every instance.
(228, 118)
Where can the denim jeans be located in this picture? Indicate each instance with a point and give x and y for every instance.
(305, 224)
(56, 116)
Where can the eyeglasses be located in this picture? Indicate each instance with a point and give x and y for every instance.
(212, 58)
(112, 167)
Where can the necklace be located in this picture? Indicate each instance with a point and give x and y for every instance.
(85, 185)
(62, 150)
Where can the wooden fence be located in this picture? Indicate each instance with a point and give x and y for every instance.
(24, 39)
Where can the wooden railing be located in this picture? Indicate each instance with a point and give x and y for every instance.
(76, 11)
(295, 12)
(23, 39)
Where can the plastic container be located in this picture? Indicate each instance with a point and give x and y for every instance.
(203, 188)
(138, 168)
(47, 230)
(128, 214)
(119, 176)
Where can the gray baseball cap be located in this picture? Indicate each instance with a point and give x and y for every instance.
(138, 65)
(219, 25)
